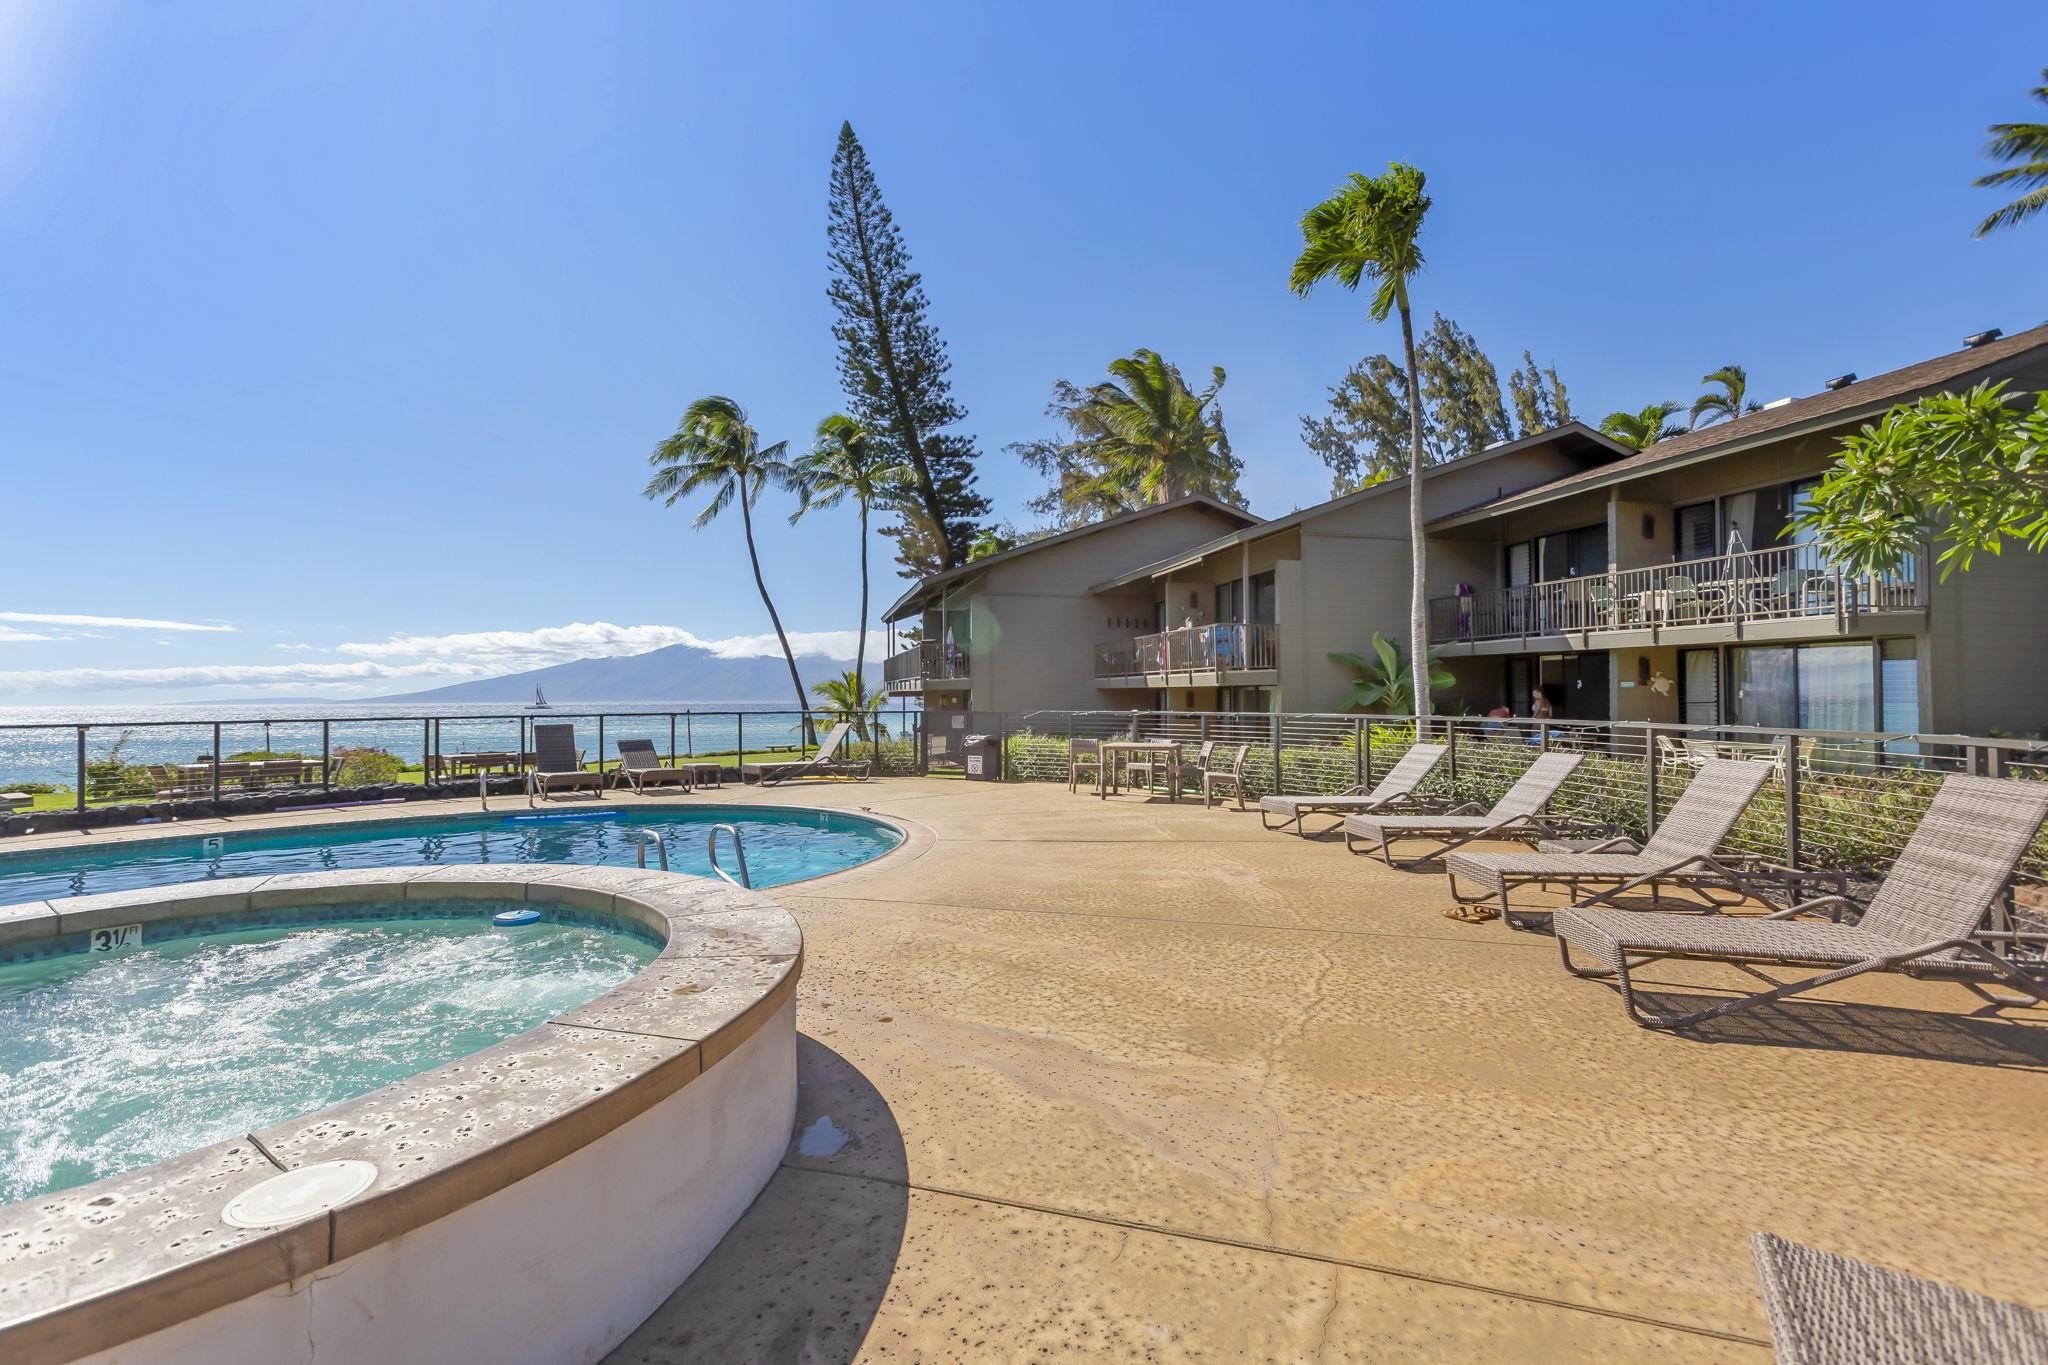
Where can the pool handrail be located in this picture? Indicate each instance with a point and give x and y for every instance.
(745, 880)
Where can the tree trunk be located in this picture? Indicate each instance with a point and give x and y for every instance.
(860, 653)
(1418, 601)
(753, 557)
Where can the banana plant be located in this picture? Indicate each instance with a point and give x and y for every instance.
(1383, 678)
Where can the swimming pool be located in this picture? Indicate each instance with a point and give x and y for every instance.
(109, 1062)
(782, 844)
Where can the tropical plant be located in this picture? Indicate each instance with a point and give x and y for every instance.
(848, 461)
(990, 541)
(1369, 231)
(1963, 471)
(1645, 428)
(846, 698)
(1141, 436)
(2026, 146)
(366, 767)
(1385, 679)
(714, 448)
(892, 367)
(1732, 402)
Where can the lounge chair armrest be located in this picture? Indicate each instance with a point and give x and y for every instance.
(1620, 843)
(1807, 907)
(1467, 808)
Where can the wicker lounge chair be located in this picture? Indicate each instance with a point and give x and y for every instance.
(558, 764)
(1517, 815)
(1396, 791)
(1830, 1310)
(640, 768)
(1682, 850)
(1924, 920)
(824, 763)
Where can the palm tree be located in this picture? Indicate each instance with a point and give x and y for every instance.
(1367, 230)
(847, 698)
(1645, 428)
(1727, 405)
(714, 448)
(1151, 438)
(848, 460)
(2026, 145)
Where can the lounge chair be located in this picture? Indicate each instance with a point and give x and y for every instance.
(558, 764)
(1924, 920)
(1830, 1310)
(640, 768)
(1396, 791)
(824, 763)
(1517, 815)
(1682, 850)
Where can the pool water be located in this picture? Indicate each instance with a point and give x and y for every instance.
(782, 846)
(109, 1063)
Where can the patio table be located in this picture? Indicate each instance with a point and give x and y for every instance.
(1122, 750)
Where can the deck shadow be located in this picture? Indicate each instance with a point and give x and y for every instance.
(1876, 1030)
(802, 1274)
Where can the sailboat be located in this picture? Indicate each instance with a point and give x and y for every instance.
(539, 702)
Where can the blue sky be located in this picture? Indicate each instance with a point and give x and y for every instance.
(348, 327)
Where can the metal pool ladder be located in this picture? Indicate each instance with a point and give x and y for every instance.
(644, 837)
(739, 849)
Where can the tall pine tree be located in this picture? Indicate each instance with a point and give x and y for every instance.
(893, 366)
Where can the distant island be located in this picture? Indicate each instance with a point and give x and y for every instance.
(673, 671)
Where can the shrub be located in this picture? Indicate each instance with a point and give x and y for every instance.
(366, 767)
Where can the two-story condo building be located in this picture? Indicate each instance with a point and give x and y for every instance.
(1660, 584)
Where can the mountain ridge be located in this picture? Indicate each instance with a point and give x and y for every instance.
(672, 671)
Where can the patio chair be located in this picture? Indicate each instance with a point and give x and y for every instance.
(1682, 850)
(1684, 597)
(1212, 777)
(558, 764)
(1609, 609)
(640, 768)
(1830, 1310)
(824, 763)
(1924, 921)
(1395, 791)
(1083, 753)
(1517, 815)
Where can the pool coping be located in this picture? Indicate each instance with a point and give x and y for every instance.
(92, 1267)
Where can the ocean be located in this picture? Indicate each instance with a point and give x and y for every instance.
(40, 743)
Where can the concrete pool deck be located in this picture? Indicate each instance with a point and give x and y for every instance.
(1136, 1080)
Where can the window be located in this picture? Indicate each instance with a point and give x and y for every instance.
(1812, 687)
(1693, 531)
(1230, 599)
(1765, 687)
(1521, 561)
(1699, 686)
(1562, 554)
(1898, 691)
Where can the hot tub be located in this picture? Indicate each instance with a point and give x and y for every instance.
(533, 1200)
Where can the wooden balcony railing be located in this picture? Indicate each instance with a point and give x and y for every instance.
(909, 670)
(1780, 582)
(1226, 647)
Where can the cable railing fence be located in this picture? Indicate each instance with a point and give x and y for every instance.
(116, 771)
(1835, 799)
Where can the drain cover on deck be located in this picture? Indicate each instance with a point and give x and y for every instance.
(297, 1195)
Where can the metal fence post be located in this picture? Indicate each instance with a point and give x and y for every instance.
(1365, 779)
(1792, 831)
(1649, 780)
(671, 736)
(739, 739)
(216, 763)
(81, 768)
(1451, 753)
(1278, 784)
(326, 755)
(600, 746)
(426, 751)
(690, 734)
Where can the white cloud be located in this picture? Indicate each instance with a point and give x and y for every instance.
(222, 675)
(8, 635)
(44, 618)
(511, 651)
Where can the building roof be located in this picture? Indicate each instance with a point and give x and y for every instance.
(1863, 399)
(1575, 436)
(919, 592)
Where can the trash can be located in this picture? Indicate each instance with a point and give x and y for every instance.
(983, 758)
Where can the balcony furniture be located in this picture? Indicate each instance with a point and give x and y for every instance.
(1395, 792)
(1607, 608)
(558, 764)
(1683, 850)
(824, 763)
(1924, 920)
(1831, 1310)
(1672, 755)
(1517, 815)
(1213, 777)
(1083, 753)
(1165, 752)
(640, 768)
